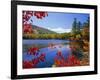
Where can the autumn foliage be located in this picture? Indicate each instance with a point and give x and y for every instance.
(27, 28)
(70, 61)
(33, 63)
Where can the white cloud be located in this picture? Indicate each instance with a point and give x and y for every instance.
(59, 30)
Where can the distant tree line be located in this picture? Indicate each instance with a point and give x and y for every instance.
(47, 36)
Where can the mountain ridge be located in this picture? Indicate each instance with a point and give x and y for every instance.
(42, 30)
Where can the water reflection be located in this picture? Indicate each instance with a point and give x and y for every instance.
(57, 53)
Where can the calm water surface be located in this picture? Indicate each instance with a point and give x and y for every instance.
(61, 45)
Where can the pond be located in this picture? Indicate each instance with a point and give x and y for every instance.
(49, 47)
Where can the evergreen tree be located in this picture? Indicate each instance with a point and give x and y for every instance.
(74, 25)
(88, 22)
(79, 25)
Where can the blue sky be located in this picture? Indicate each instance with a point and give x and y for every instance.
(58, 21)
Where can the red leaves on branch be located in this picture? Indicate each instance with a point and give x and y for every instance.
(30, 64)
(28, 14)
(27, 28)
(33, 63)
(42, 57)
(27, 64)
(33, 50)
(59, 54)
(73, 60)
(40, 14)
(70, 61)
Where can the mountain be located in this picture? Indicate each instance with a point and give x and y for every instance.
(41, 30)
